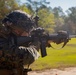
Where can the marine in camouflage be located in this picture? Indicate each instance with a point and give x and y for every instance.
(17, 55)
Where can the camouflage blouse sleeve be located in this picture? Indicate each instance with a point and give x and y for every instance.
(28, 54)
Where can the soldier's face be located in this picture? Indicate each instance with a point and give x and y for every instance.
(19, 31)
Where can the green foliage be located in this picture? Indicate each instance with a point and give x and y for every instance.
(53, 19)
(6, 6)
(59, 18)
(58, 12)
(72, 14)
(24, 8)
(36, 4)
(46, 19)
(70, 20)
(59, 22)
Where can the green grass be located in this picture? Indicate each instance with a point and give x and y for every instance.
(65, 57)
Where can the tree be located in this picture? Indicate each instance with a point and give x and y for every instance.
(72, 14)
(40, 8)
(58, 12)
(34, 4)
(71, 19)
(59, 18)
(46, 19)
(6, 6)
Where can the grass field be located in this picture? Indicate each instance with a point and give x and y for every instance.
(65, 57)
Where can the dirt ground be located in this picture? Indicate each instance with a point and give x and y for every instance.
(66, 71)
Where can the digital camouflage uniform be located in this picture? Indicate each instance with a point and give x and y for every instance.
(10, 54)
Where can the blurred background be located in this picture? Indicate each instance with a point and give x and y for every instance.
(53, 15)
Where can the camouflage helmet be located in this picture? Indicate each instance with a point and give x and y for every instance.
(20, 19)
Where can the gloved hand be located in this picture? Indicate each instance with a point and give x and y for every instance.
(38, 35)
(35, 44)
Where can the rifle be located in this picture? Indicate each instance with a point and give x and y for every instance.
(40, 35)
